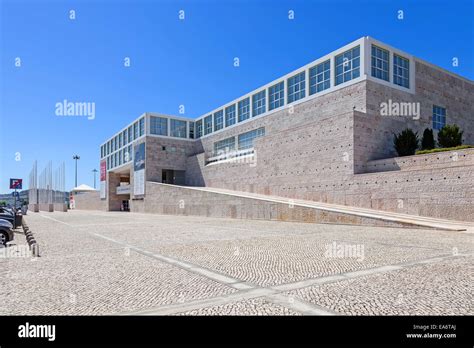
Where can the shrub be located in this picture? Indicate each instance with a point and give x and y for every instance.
(462, 147)
(427, 142)
(450, 136)
(406, 142)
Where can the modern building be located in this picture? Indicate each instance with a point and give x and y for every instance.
(323, 132)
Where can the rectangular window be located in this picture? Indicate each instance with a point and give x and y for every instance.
(158, 125)
(108, 163)
(276, 95)
(108, 147)
(130, 155)
(401, 71)
(120, 140)
(124, 137)
(246, 139)
(198, 129)
(218, 120)
(112, 161)
(320, 77)
(112, 145)
(259, 103)
(178, 128)
(116, 159)
(439, 117)
(191, 130)
(380, 63)
(244, 109)
(135, 130)
(130, 135)
(120, 157)
(224, 146)
(142, 126)
(296, 87)
(230, 115)
(348, 65)
(208, 125)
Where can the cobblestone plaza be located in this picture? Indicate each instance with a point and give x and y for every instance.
(95, 263)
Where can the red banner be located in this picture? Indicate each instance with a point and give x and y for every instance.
(103, 171)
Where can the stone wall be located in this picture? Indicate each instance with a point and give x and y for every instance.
(89, 201)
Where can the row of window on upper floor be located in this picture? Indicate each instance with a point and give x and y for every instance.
(120, 157)
(347, 67)
(125, 137)
(244, 141)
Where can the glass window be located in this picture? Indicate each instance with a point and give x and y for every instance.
(276, 95)
(320, 77)
(439, 117)
(124, 137)
(207, 124)
(348, 65)
(178, 128)
(218, 120)
(108, 147)
(158, 125)
(296, 87)
(191, 130)
(120, 140)
(401, 71)
(246, 139)
(244, 109)
(230, 115)
(120, 157)
(259, 103)
(108, 163)
(198, 129)
(130, 135)
(135, 130)
(380, 63)
(130, 154)
(142, 126)
(223, 146)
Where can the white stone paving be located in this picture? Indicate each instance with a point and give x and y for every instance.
(126, 263)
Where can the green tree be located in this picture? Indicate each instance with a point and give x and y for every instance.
(450, 136)
(406, 142)
(427, 142)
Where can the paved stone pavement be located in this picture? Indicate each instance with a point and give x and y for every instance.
(128, 263)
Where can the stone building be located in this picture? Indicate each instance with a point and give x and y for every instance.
(322, 133)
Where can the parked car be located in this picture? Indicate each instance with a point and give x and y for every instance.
(6, 233)
(7, 214)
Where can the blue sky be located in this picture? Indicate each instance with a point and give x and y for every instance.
(176, 62)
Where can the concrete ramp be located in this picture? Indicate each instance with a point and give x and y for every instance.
(213, 202)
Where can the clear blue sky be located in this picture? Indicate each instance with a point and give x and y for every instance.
(177, 62)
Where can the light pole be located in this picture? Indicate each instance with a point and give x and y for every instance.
(76, 157)
(94, 171)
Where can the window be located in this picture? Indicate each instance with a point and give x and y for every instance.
(124, 137)
(108, 163)
(246, 139)
(244, 109)
(159, 125)
(130, 138)
(198, 129)
(142, 126)
(380, 63)
(439, 117)
(191, 130)
(223, 146)
(320, 77)
(108, 147)
(296, 87)
(112, 161)
(116, 159)
(112, 145)
(120, 157)
(135, 130)
(130, 153)
(276, 95)
(120, 140)
(401, 71)
(178, 128)
(347, 65)
(207, 124)
(218, 120)
(258, 103)
(230, 115)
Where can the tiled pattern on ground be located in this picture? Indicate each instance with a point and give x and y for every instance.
(255, 306)
(444, 288)
(86, 268)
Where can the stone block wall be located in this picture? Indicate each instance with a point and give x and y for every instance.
(89, 201)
